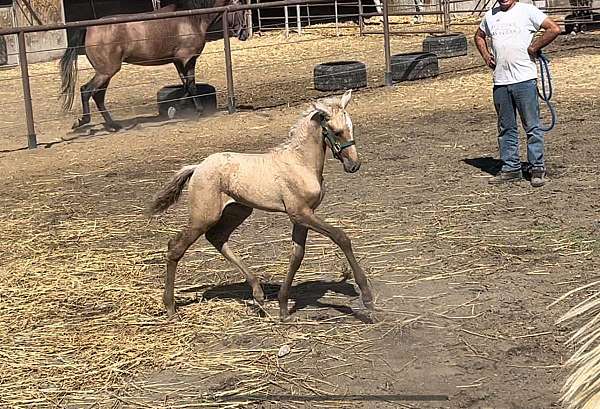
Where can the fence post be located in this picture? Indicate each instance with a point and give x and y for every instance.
(446, 8)
(228, 65)
(287, 21)
(337, 22)
(249, 22)
(298, 19)
(386, 44)
(31, 137)
(258, 15)
(361, 19)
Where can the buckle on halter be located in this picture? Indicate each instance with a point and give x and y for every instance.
(334, 145)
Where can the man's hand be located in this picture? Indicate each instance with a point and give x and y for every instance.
(489, 61)
(551, 31)
(534, 52)
(483, 49)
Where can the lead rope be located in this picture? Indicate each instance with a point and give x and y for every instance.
(546, 93)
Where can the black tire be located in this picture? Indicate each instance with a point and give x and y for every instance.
(446, 45)
(171, 97)
(340, 75)
(3, 51)
(569, 25)
(414, 66)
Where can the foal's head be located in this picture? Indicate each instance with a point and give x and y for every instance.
(338, 132)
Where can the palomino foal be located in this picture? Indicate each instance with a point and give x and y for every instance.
(226, 187)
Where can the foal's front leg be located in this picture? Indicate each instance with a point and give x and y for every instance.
(299, 238)
(307, 218)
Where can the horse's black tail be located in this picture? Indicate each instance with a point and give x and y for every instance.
(68, 70)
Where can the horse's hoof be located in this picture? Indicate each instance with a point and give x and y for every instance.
(113, 127)
(79, 123)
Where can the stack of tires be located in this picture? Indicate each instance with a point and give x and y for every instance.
(341, 75)
(446, 45)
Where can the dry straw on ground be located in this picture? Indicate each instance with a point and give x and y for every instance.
(582, 388)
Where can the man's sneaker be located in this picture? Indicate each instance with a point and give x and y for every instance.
(504, 177)
(537, 177)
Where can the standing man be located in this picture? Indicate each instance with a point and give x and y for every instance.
(511, 27)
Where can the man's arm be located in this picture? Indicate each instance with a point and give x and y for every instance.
(483, 48)
(551, 31)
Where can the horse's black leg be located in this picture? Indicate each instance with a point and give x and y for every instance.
(180, 70)
(86, 93)
(190, 83)
(99, 95)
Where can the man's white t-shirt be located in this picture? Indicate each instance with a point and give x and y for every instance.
(511, 32)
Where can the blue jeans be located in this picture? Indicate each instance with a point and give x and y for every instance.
(509, 99)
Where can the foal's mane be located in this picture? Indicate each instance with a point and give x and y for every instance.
(298, 131)
(194, 4)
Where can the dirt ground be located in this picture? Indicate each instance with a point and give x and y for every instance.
(464, 272)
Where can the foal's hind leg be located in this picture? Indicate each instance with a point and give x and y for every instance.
(99, 97)
(233, 216)
(177, 248)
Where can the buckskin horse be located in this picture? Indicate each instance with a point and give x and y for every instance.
(177, 40)
(226, 187)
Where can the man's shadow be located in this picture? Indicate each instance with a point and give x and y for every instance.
(487, 164)
(305, 294)
(493, 166)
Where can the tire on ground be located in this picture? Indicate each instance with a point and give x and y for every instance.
(171, 101)
(414, 66)
(339, 75)
(446, 45)
(3, 51)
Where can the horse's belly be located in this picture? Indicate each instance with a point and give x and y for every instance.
(141, 55)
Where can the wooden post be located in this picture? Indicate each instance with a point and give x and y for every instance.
(31, 137)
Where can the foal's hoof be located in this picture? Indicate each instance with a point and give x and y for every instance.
(285, 317)
(173, 316)
(369, 305)
(259, 297)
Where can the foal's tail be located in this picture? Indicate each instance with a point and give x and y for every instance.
(68, 71)
(169, 194)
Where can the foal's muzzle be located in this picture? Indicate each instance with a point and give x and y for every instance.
(350, 166)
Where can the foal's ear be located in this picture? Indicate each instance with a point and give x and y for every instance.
(345, 100)
(322, 111)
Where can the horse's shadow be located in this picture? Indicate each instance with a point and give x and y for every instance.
(138, 122)
(305, 294)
